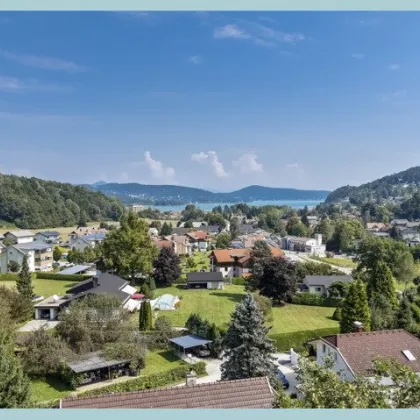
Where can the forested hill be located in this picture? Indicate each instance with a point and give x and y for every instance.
(171, 194)
(400, 185)
(33, 203)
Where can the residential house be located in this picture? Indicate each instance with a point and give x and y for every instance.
(182, 245)
(181, 230)
(376, 227)
(205, 280)
(319, 285)
(239, 393)
(19, 236)
(1, 237)
(3, 258)
(164, 243)
(40, 255)
(87, 241)
(199, 240)
(313, 246)
(313, 221)
(246, 229)
(84, 231)
(211, 229)
(105, 283)
(153, 232)
(230, 262)
(48, 236)
(399, 222)
(410, 234)
(354, 354)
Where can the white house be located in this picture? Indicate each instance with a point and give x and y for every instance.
(195, 225)
(312, 246)
(87, 241)
(199, 240)
(354, 354)
(20, 236)
(48, 236)
(40, 255)
(153, 232)
(3, 258)
(319, 285)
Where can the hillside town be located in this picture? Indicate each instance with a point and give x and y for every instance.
(179, 288)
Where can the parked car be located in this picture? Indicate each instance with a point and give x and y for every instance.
(204, 353)
(282, 378)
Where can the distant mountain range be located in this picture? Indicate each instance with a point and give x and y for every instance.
(173, 194)
(394, 187)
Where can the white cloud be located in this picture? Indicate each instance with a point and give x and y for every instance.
(46, 63)
(195, 59)
(230, 31)
(261, 35)
(212, 157)
(358, 56)
(158, 170)
(247, 163)
(15, 85)
(394, 67)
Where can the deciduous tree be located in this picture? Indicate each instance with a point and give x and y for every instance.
(167, 267)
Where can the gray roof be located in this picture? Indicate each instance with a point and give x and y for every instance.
(75, 270)
(93, 361)
(204, 277)
(20, 233)
(326, 281)
(99, 236)
(190, 341)
(33, 246)
(210, 228)
(49, 233)
(180, 231)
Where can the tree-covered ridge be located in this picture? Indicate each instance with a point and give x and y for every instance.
(401, 184)
(34, 203)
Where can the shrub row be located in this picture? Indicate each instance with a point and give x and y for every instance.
(312, 299)
(58, 276)
(297, 340)
(238, 281)
(156, 380)
(8, 277)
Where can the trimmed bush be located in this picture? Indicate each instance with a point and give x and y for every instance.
(312, 299)
(238, 281)
(156, 380)
(8, 277)
(298, 339)
(337, 315)
(58, 276)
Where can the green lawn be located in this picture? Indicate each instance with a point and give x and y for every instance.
(45, 288)
(340, 262)
(48, 389)
(217, 306)
(201, 259)
(160, 361)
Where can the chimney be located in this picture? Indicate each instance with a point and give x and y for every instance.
(358, 327)
(191, 378)
(95, 281)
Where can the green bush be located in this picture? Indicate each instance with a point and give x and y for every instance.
(312, 299)
(297, 340)
(416, 312)
(238, 281)
(8, 277)
(58, 276)
(337, 315)
(156, 380)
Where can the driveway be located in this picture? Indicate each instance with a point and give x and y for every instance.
(287, 370)
(36, 324)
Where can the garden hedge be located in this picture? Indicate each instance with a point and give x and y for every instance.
(238, 281)
(156, 380)
(58, 276)
(8, 277)
(297, 340)
(312, 299)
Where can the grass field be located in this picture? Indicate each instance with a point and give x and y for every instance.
(159, 361)
(218, 305)
(339, 262)
(45, 288)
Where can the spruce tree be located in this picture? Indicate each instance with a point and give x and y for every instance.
(24, 287)
(355, 308)
(145, 316)
(247, 348)
(405, 318)
(14, 385)
(380, 282)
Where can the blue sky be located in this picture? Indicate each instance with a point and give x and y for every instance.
(213, 100)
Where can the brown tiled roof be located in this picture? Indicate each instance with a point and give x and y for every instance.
(361, 349)
(276, 252)
(199, 235)
(243, 393)
(227, 255)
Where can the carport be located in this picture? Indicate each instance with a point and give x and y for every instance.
(189, 342)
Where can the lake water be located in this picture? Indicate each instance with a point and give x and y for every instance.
(295, 204)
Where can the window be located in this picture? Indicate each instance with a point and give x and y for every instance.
(335, 356)
(324, 348)
(317, 289)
